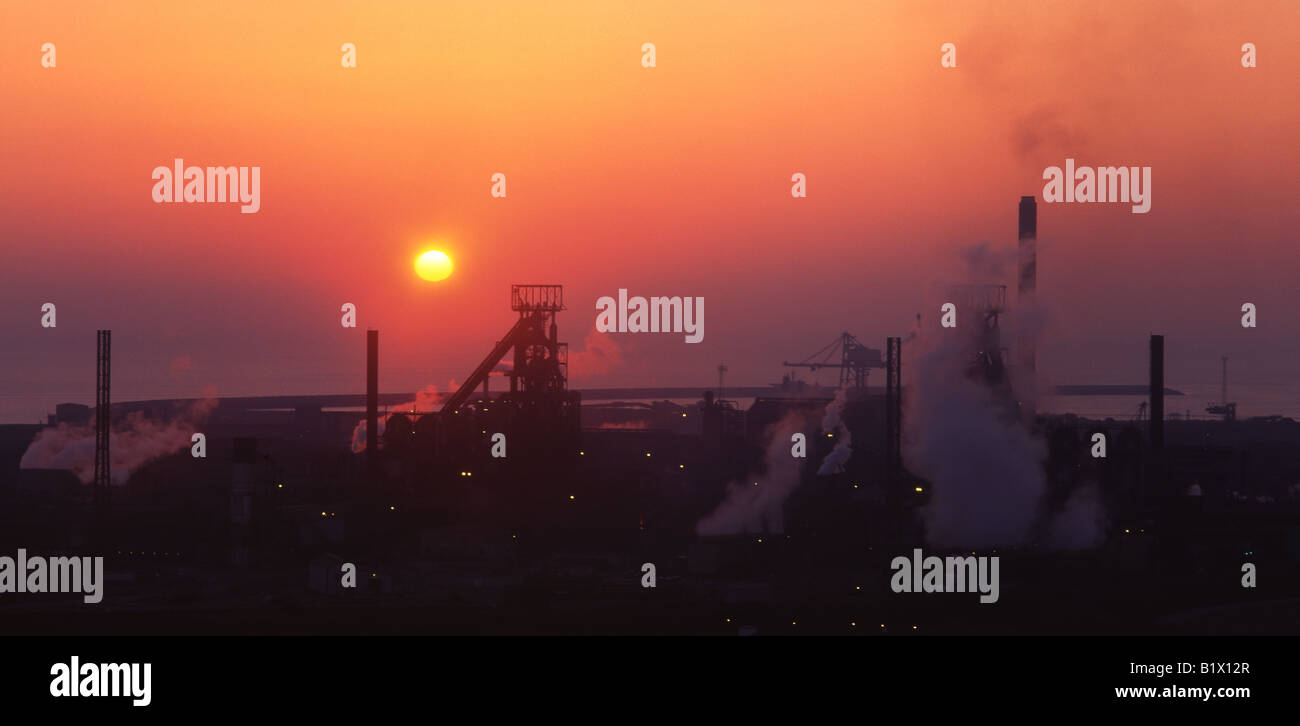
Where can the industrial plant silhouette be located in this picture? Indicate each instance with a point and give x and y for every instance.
(535, 509)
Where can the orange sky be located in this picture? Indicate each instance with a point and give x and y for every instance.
(673, 180)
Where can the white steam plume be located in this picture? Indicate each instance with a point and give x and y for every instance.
(985, 465)
(133, 442)
(757, 504)
(833, 422)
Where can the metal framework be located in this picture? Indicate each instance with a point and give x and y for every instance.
(1227, 409)
(893, 405)
(984, 303)
(987, 301)
(530, 298)
(540, 360)
(103, 360)
(855, 359)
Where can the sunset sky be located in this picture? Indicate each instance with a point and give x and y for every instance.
(673, 180)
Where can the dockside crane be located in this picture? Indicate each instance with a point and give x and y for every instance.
(854, 362)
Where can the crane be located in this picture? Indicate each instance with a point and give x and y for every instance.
(1227, 409)
(855, 359)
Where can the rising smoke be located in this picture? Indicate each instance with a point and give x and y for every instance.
(985, 465)
(133, 442)
(833, 422)
(426, 400)
(600, 355)
(757, 504)
(1081, 525)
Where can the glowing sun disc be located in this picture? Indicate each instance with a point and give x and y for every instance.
(433, 265)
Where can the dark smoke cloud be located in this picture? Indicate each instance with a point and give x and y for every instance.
(1043, 132)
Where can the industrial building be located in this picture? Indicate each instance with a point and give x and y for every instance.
(551, 536)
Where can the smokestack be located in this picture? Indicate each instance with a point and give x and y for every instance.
(103, 364)
(1025, 296)
(372, 401)
(1028, 233)
(893, 408)
(1157, 430)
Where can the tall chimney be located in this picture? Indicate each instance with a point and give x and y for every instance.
(103, 420)
(372, 401)
(893, 408)
(1157, 430)
(1028, 234)
(1028, 363)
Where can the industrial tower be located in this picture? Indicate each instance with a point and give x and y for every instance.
(103, 359)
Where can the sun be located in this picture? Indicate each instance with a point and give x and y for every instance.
(433, 265)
